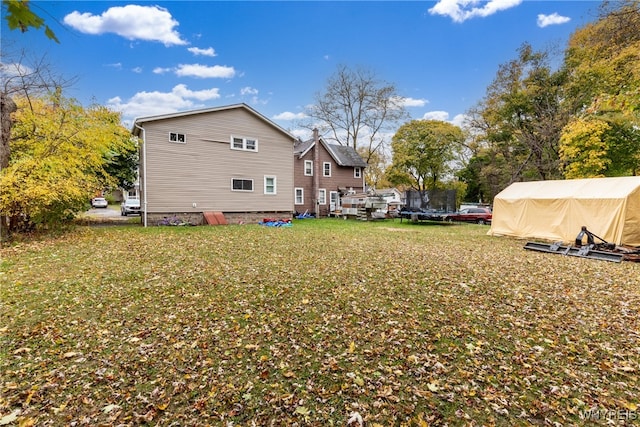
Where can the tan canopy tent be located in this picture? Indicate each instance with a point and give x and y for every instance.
(557, 210)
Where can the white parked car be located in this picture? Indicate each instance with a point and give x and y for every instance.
(130, 206)
(99, 202)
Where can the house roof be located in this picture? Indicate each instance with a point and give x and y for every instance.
(342, 154)
(301, 148)
(387, 192)
(346, 156)
(135, 130)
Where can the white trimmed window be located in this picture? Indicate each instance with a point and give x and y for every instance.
(322, 196)
(299, 196)
(244, 144)
(308, 167)
(239, 184)
(179, 138)
(357, 172)
(326, 169)
(269, 185)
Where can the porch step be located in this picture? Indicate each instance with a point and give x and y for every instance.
(215, 218)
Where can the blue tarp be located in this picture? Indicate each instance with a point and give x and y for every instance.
(276, 223)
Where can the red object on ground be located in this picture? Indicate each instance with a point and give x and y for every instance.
(215, 218)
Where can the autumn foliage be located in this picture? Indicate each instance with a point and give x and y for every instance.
(323, 323)
(60, 152)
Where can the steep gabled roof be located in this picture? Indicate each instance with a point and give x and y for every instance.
(343, 155)
(135, 130)
(300, 148)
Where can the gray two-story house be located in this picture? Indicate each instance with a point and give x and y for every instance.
(231, 161)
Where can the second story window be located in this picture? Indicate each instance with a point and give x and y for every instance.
(244, 144)
(357, 172)
(308, 167)
(326, 169)
(177, 137)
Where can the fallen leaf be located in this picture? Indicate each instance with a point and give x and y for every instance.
(8, 419)
(355, 417)
(109, 408)
(302, 410)
(26, 422)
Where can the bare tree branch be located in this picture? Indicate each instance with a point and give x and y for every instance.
(357, 109)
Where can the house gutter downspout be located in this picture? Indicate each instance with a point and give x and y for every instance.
(144, 172)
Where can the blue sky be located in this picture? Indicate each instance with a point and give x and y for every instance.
(144, 58)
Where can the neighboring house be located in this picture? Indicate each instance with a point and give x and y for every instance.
(324, 172)
(391, 195)
(230, 160)
(132, 193)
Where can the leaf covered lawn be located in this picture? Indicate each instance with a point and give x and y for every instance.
(318, 324)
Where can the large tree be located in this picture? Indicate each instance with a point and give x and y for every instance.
(581, 120)
(603, 90)
(21, 76)
(374, 173)
(517, 125)
(423, 152)
(357, 109)
(58, 158)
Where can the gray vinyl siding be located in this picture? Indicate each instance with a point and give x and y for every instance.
(200, 171)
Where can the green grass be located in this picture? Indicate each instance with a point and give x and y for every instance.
(405, 324)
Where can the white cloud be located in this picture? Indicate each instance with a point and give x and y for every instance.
(411, 102)
(205, 71)
(204, 52)
(302, 134)
(458, 120)
(461, 10)
(133, 22)
(436, 115)
(161, 70)
(248, 91)
(116, 65)
(7, 71)
(251, 94)
(137, 70)
(200, 95)
(287, 115)
(151, 103)
(553, 19)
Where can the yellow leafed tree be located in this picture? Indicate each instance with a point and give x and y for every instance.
(603, 65)
(58, 157)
